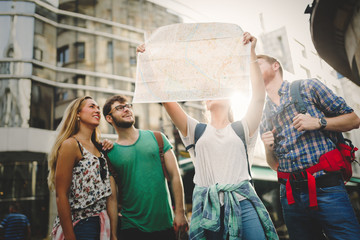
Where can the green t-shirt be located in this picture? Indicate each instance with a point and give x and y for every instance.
(145, 198)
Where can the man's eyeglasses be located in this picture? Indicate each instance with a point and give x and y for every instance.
(121, 107)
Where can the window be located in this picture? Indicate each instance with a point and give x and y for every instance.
(39, 27)
(10, 52)
(4, 67)
(41, 106)
(80, 50)
(132, 55)
(110, 50)
(302, 49)
(306, 71)
(38, 54)
(282, 48)
(63, 55)
(79, 79)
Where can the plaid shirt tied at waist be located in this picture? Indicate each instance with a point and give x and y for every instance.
(206, 211)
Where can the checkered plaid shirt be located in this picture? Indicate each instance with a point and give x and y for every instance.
(206, 211)
(299, 150)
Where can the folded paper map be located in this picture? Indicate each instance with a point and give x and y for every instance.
(193, 62)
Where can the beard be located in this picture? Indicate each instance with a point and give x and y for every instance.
(123, 124)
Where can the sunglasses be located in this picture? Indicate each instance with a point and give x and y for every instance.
(103, 171)
(121, 107)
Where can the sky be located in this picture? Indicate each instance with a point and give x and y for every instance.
(246, 14)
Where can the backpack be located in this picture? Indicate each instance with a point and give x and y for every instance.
(237, 127)
(344, 145)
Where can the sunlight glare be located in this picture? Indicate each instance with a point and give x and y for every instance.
(239, 105)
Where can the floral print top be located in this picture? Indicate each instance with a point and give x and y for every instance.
(88, 191)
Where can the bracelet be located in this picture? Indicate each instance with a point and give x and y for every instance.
(254, 61)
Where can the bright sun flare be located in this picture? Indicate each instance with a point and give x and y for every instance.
(239, 105)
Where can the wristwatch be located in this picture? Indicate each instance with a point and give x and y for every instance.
(323, 123)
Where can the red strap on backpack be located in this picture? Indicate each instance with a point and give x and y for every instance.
(328, 162)
(311, 186)
(160, 142)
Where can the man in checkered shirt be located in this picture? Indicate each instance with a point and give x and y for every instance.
(294, 142)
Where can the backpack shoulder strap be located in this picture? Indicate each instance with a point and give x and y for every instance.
(296, 97)
(160, 143)
(239, 130)
(199, 130)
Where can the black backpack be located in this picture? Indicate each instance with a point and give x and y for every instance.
(238, 128)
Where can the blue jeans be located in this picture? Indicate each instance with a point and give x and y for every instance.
(251, 225)
(88, 229)
(335, 216)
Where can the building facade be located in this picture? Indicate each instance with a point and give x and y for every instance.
(52, 52)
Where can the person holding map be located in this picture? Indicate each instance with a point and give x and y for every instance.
(224, 201)
(144, 196)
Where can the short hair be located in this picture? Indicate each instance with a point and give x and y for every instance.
(271, 60)
(110, 101)
(15, 206)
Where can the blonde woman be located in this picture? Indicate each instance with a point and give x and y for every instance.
(79, 173)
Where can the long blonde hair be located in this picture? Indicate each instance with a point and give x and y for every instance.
(68, 127)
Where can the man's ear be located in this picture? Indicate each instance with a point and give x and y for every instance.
(275, 66)
(109, 119)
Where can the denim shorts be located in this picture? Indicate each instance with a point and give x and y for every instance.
(88, 229)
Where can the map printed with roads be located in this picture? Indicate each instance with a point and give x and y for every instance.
(192, 62)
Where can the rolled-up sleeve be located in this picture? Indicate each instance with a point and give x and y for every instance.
(328, 102)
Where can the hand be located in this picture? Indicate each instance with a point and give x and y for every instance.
(303, 122)
(268, 140)
(180, 223)
(140, 48)
(107, 144)
(247, 37)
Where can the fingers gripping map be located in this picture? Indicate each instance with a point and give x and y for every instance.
(192, 62)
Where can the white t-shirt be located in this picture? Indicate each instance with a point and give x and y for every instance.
(220, 154)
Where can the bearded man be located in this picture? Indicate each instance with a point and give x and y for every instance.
(146, 211)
